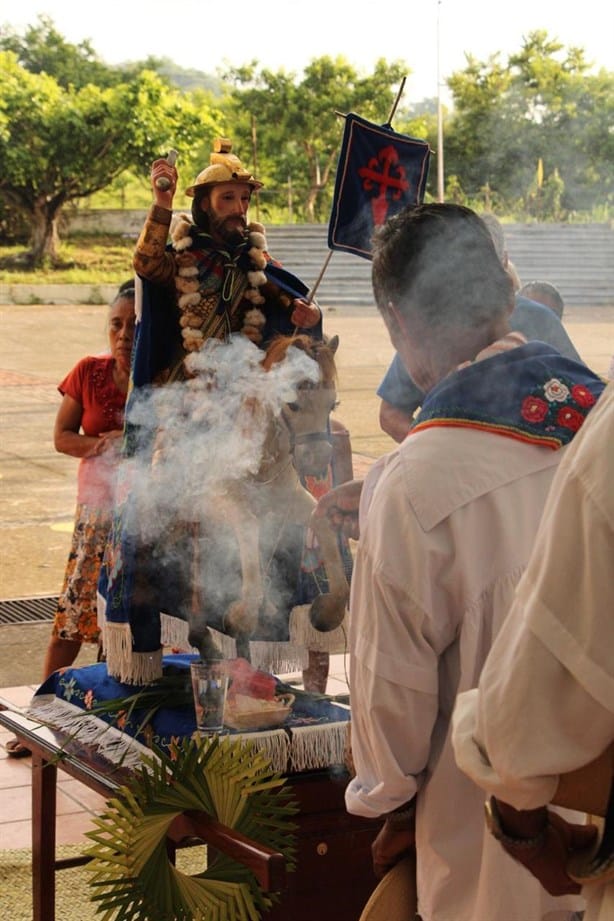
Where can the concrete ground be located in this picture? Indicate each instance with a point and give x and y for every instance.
(38, 346)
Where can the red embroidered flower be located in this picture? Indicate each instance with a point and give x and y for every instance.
(582, 395)
(569, 418)
(122, 719)
(534, 409)
(88, 700)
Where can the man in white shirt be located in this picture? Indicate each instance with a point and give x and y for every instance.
(447, 521)
(545, 701)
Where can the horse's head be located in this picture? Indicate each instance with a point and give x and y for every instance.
(307, 418)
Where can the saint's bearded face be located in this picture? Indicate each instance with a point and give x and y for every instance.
(226, 208)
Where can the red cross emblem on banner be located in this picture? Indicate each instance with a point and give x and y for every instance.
(386, 178)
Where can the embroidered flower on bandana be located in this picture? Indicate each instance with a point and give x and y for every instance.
(555, 391)
(534, 409)
(557, 408)
(582, 395)
(569, 418)
(88, 700)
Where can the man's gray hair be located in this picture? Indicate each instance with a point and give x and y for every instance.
(496, 231)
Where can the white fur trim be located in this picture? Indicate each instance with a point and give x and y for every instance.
(187, 300)
(256, 278)
(183, 244)
(258, 239)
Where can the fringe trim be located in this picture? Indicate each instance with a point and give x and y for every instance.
(174, 632)
(116, 746)
(123, 663)
(277, 658)
(273, 743)
(304, 748)
(303, 633)
(224, 643)
(117, 646)
(314, 747)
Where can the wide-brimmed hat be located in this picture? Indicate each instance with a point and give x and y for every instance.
(395, 896)
(224, 166)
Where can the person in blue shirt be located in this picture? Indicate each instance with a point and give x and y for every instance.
(400, 397)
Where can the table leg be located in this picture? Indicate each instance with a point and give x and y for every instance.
(44, 778)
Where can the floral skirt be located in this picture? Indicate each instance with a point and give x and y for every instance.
(76, 617)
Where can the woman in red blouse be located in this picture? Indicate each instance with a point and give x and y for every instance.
(89, 425)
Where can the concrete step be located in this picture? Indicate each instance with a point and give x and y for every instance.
(577, 258)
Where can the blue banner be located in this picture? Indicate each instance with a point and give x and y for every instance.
(379, 173)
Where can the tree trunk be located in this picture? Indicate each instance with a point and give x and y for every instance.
(45, 238)
(310, 204)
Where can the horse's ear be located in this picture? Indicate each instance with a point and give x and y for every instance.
(333, 343)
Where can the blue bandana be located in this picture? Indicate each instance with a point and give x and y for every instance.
(530, 393)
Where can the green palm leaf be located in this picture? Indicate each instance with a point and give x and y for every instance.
(132, 877)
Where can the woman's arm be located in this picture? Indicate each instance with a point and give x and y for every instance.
(67, 437)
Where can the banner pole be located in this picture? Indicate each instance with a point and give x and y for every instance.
(396, 102)
(312, 292)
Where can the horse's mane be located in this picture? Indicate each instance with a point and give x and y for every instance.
(318, 349)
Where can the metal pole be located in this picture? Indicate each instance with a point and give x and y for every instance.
(440, 179)
(255, 159)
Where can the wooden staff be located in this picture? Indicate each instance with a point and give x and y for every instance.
(312, 292)
(396, 103)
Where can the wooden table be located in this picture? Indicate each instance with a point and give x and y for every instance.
(334, 875)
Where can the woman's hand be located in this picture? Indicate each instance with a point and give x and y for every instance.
(107, 441)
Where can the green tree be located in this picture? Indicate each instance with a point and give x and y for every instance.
(59, 145)
(294, 125)
(540, 104)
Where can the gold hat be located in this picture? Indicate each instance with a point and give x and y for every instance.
(224, 167)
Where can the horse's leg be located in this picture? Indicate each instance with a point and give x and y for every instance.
(241, 618)
(199, 634)
(328, 610)
(315, 676)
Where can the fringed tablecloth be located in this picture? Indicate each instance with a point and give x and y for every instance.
(123, 721)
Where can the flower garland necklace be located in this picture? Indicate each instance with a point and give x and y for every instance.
(199, 300)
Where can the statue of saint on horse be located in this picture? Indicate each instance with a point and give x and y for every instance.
(220, 503)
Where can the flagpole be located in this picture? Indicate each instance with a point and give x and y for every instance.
(396, 103)
(440, 181)
(316, 285)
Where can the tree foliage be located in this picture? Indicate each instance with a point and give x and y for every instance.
(294, 125)
(59, 145)
(530, 135)
(539, 105)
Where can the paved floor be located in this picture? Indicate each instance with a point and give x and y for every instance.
(38, 345)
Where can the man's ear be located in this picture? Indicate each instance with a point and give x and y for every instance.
(394, 318)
